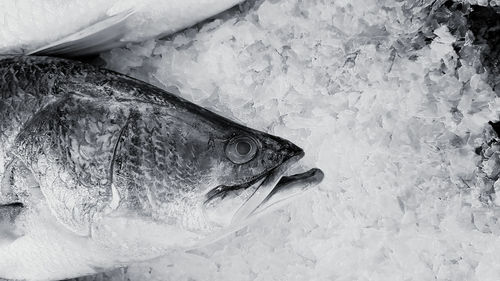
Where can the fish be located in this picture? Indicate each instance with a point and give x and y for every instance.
(99, 170)
(88, 27)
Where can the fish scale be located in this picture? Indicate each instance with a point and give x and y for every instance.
(147, 157)
(67, 174)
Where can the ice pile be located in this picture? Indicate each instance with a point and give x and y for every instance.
(393, 121)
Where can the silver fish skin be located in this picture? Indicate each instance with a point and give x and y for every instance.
(111, 170)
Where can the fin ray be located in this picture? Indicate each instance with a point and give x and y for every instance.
(103, 35)
(8, 216)
(16, 182)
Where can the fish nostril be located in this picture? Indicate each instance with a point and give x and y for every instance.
(297, 151)
(292, 150)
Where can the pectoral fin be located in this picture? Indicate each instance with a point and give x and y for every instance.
(101, 36)
(17, 183)
(8, 229)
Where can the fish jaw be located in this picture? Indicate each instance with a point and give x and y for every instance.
(287, 188)
(236, 208)
(266, 187)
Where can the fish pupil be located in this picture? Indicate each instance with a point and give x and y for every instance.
(243, 147)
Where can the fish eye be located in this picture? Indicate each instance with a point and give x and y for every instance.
(241, 149)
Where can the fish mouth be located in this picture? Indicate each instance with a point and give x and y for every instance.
(270, 190)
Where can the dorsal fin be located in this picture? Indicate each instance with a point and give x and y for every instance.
(101, 36)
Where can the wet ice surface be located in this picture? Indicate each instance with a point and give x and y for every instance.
(394, 117)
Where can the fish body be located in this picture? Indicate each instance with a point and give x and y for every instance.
(96, 25)
(99, 170)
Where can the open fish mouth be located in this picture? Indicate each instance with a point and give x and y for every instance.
(288, 187)
(268, 191)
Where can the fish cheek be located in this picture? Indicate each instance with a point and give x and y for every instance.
(208, 160)
(157, 166)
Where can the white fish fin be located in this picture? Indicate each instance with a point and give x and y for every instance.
(8, 216)
(17, 181)
(287, 188)
(101, 36)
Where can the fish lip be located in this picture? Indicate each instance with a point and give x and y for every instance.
(271, 183)
(267, 184)
(223, 189)
(312, 176)
(290, 186)
(294, 153)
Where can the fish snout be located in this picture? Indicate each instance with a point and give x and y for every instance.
(290, 150)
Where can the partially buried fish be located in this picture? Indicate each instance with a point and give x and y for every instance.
(99, 170)
(83, 27)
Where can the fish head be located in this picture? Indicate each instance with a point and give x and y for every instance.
(198, 171)
(249, 165)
